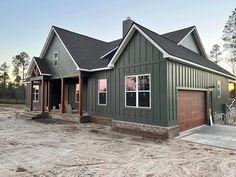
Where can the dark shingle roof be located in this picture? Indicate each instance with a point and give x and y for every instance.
(179, 51)
(178, 35)
(86, 51)
(42, 66)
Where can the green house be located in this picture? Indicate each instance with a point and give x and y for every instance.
(143, 83)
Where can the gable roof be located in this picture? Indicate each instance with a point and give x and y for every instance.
(84, 51)
(172, 51)
(178, 35)
(91, 54)
(40, 64)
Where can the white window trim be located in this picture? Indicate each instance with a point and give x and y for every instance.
(55, 59)
(34, 94)
(219, 88)
(76, 94)
(102, 92)
(137, 91)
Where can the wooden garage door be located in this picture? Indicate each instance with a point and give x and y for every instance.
(191, 109)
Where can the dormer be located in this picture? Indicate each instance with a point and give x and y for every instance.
(188, 38)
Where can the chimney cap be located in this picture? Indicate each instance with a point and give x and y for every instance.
(128, 18)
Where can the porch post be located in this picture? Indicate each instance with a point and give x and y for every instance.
(81, 87)
(31, 95)
(49, 96)
(62, 96)
(42, 96)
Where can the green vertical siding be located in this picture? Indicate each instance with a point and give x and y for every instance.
(139, 57)
(179, 75)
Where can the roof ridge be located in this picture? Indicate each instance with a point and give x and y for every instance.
(190, 27)
(78, 33)
(158, 34)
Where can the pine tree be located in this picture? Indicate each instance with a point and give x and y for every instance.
(4, 68)
(20, 61)
(229, 38)
(215, 53)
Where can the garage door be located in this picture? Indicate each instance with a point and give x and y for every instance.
(191, 109)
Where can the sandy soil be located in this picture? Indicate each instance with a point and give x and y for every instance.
(56, 148)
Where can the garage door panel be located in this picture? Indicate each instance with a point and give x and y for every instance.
(191, 109)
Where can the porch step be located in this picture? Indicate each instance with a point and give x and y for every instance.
(33, 115)
(70, 117)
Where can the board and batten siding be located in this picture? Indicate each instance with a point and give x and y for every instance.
(139, 57)
(180, 75)
(66, 67)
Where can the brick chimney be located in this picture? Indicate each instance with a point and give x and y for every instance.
(126, 25)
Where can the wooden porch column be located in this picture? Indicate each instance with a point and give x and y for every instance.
(49, 96)
(31, 95)
(81, 87)
(62, 95)
(42, 96)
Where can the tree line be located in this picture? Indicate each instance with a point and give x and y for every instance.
(14, 88)
(227, 51)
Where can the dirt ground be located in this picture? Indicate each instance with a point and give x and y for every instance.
(56, 148)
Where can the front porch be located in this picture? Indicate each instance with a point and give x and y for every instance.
(58, 96)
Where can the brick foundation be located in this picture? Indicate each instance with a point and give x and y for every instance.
(150, 131)
(101, 120)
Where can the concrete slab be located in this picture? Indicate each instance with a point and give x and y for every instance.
(223, 136)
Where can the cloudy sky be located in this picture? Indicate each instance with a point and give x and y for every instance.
(24, 25)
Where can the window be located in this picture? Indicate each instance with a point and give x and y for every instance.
(102, 92)
(35, 93)
(219, 89)
(55, 59)
(138, 91)
(77, 93)
(231, 90)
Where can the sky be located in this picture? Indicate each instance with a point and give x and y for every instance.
(25, 24)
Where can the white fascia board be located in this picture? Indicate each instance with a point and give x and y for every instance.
(108, 52)
(126, 40)
(198, 40)
(97, 69)
(29, 68)
(46, 44)
(66, 49)
(42, 74)
(186, 36)
(37, 66)
(122, 46)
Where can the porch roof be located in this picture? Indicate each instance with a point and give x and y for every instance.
(42, 66)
